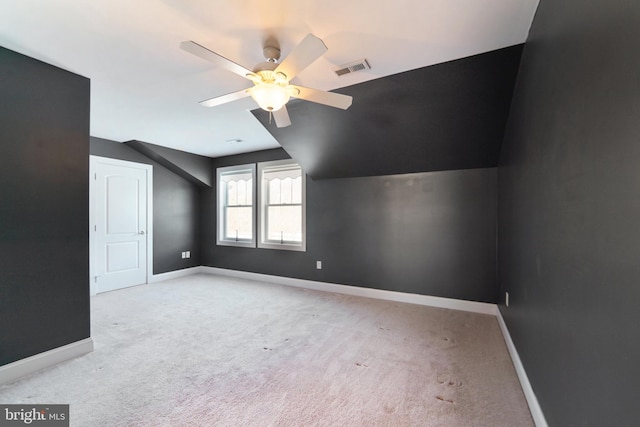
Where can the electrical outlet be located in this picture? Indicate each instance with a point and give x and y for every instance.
(319, 265)
(188, 254)
(506, 299)
(184, 255)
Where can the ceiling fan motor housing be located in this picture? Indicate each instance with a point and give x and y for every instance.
(267, 74)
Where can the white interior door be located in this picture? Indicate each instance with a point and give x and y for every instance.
(120, 223)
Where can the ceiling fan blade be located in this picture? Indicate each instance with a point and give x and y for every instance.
(281, 117)
(309, 49)
(219, 60)
(218, 100)
(331, 99)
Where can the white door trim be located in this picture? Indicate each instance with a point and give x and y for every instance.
(93, 160)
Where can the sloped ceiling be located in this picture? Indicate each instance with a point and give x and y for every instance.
(195, 169)
(442, 117)
(145, 88)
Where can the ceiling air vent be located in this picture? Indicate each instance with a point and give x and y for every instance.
(352, 67)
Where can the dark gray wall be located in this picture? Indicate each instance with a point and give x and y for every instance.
(569, 197)
(192, 167)
(176, 209)
(429, 233)
(446, 116)
(44, 169)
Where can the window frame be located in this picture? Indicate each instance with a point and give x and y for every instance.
(221, 205)
(262, 194)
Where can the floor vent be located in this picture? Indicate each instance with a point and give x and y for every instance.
(352, 67)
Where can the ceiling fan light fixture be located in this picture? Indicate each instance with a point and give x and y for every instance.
(270, 96)
(271, 90)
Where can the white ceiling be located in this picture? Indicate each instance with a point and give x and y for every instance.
(144, 87)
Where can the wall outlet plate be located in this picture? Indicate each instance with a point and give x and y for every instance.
(319, 265)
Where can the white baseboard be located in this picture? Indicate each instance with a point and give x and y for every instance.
(174, 274)
(532, 400)
(29, 365)
(454, 304)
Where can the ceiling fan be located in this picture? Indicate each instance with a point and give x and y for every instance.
(271, 88)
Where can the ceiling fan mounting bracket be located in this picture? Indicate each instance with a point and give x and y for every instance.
(271, 53)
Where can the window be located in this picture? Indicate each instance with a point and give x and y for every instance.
(279, 213)
(236, 201)
(281, 197)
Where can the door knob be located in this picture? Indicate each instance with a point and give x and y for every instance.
(141, 233)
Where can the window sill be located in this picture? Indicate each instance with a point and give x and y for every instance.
(284, 246)
(236, 243)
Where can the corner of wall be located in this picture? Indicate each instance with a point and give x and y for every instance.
(532, 400)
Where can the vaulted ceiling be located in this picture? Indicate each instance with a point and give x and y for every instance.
(145, 88)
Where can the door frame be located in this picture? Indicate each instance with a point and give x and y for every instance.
(93, 161)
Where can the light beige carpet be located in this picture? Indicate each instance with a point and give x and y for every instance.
(214, 351)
